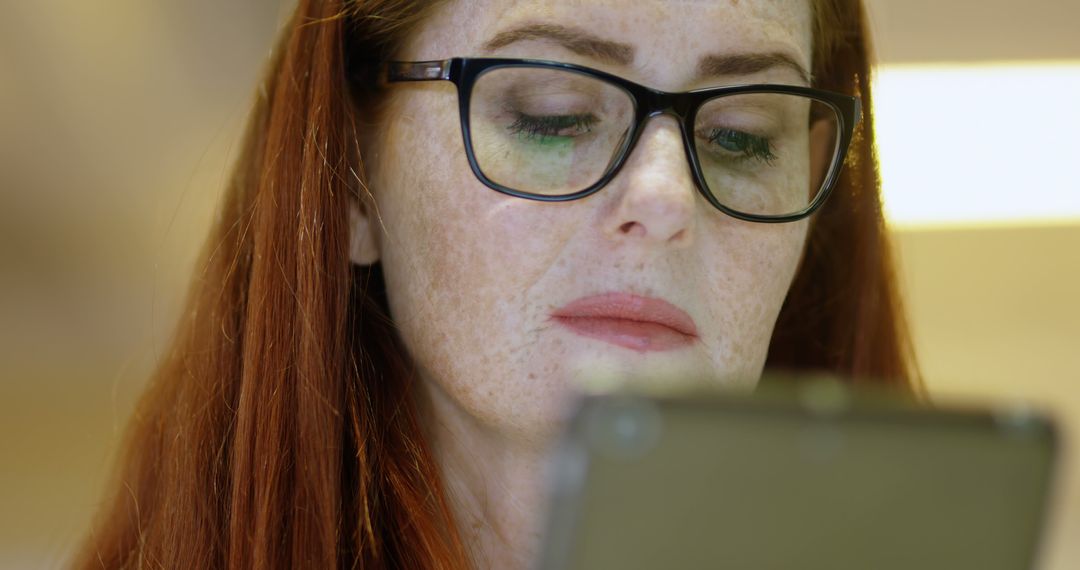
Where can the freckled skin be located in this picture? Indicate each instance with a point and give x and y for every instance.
(473, 275)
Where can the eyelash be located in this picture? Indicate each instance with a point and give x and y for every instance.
(550, 126)
(749, 146)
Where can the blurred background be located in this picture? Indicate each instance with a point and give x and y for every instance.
(118, 124)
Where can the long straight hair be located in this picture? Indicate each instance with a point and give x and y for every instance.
(843, 314)
(280, 430)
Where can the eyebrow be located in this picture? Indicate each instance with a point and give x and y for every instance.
(573, 39)
(746, 64)
(586, 44)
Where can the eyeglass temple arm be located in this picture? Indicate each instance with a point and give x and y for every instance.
(418, 70)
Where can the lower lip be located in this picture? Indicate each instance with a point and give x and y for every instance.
(635, 335)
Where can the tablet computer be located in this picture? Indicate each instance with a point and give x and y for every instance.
(811, 481)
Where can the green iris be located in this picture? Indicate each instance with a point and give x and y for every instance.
(744, 144)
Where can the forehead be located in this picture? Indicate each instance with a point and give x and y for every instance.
(669, 38)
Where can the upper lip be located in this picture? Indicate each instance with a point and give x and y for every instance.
(629, 307)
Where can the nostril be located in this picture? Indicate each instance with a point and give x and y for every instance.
(632, 229)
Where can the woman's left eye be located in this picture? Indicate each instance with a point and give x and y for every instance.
(530, 126)
(742, 143)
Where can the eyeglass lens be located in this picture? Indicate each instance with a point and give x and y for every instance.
(553, 132)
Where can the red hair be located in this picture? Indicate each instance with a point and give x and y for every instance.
(843, 314)
(280, 430)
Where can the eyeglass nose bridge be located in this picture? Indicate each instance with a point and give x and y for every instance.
(663, 103)
(654, 104)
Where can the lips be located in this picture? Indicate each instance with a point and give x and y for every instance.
(630, 321)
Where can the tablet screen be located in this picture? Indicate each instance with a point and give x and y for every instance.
(719, 483)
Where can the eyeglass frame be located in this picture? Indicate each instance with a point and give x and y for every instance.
(648, 102)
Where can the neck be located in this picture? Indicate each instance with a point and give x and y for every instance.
(496, 483)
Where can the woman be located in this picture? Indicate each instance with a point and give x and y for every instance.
(391, 315)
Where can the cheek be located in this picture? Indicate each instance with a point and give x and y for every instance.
(750, 277)
(443, 229)
(450, 239)
(425, 217)
(459, 258)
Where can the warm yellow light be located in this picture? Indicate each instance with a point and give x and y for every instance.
(975, 144)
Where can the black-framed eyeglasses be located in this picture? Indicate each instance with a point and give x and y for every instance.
(552, 131)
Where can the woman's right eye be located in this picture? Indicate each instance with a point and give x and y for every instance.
(739, 145)
(541, 127)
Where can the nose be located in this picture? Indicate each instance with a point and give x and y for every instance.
(656, 192)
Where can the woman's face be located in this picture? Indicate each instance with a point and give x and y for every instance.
(506, 304)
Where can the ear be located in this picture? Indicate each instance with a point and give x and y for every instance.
(363, 247)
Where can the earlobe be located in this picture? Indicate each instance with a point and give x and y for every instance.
(363, 247)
